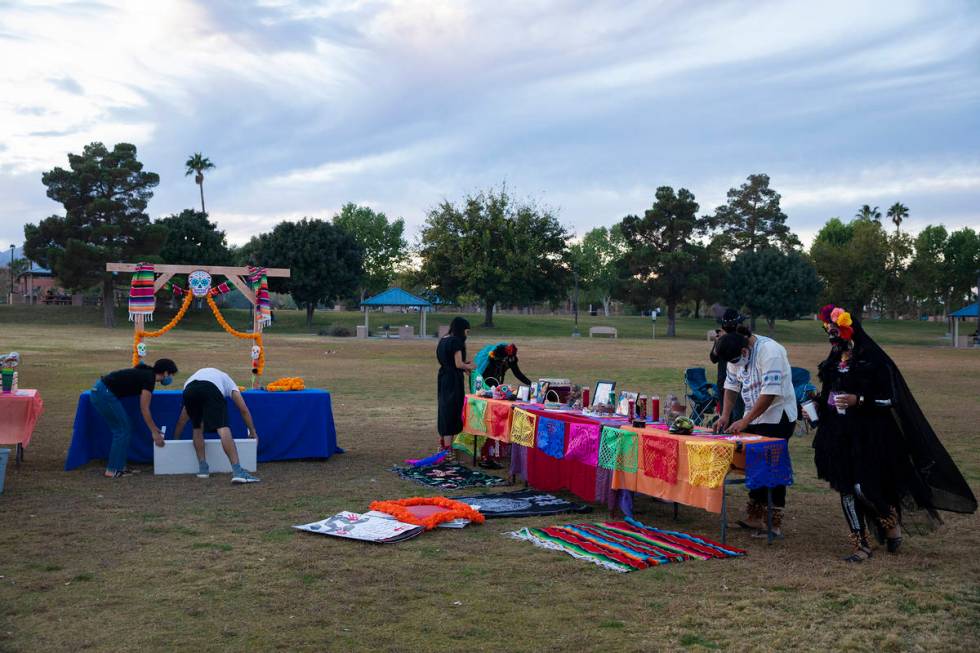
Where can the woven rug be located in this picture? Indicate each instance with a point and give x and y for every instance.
(523, 503)
(625, 545)
(449, 476)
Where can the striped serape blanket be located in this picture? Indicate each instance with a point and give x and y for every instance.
(625, 545)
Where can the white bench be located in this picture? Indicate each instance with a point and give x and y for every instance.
(603, 331)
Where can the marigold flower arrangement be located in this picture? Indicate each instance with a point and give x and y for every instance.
(832, 315)
(454, 510)
(257, 337)
(286, 383)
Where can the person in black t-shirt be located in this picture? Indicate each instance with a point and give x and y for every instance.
(134, 381)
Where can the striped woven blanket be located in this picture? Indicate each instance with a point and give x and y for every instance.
(625, 545)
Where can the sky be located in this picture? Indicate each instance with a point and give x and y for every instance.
(585, 107)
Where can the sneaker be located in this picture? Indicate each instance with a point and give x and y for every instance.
(243, 477)
(203, 471)
(117, 474)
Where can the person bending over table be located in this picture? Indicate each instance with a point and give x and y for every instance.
(450, 388)
(759, 368)
(130, 382)
(874, 445)
(492, 363)
(205, 404)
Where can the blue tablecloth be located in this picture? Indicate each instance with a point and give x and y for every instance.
(295, 424)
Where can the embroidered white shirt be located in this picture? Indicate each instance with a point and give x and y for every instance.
(766, 373)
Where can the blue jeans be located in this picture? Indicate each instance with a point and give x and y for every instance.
(112, 411)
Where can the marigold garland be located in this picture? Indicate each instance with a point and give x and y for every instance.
(139, 335)
(286, 383)
(257, 337)
(454, 510)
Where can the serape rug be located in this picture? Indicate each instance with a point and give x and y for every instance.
(449, 476)
(523, 503)
(625, 546)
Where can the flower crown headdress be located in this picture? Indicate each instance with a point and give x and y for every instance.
(832, 315)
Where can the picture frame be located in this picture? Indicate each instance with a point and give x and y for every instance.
(601, 394)
(524, 393)
(623, 404)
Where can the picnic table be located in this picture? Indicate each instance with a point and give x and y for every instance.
(19, 412)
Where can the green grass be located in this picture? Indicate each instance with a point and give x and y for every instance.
(507, 325)
(224, 564)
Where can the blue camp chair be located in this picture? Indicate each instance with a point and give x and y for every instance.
(700, 393)
(802, 387)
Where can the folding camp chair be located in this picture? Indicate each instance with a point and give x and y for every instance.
(802, 387)
(700, 394)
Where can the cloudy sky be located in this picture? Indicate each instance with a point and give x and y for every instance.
(585, 106)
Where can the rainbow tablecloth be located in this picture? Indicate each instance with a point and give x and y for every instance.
(593, 457)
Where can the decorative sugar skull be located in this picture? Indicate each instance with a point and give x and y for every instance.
(141, 350)
(200, 282)
(256, 352)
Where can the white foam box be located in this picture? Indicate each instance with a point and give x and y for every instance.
(179, 457)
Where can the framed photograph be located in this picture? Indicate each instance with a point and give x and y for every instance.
(524, 393)
(602, 392)
(623, 405)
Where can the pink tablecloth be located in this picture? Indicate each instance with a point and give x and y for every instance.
(18, 415)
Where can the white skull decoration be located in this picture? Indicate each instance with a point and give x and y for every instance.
(200, 282)
(141, 350)
(256, 352)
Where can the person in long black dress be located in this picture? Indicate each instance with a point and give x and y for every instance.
(874, 445)
(451, 389)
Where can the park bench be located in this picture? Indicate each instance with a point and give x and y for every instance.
(603, 331)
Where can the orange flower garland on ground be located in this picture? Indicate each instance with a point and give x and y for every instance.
(139, 335)
(286, 383)
(454, 510)
(257, 337)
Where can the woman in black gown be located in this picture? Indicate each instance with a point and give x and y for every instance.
(451, 353)
(874, 445)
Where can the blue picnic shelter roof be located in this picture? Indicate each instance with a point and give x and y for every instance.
(395, 297)
(973, 310)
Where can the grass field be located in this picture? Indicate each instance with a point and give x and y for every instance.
(176, 563)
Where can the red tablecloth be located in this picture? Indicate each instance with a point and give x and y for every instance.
(18, 415)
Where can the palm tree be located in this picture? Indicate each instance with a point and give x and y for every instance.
(196, 165)
(868, 213)
(898, 212)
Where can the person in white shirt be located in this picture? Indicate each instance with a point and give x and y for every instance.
(759, 369)
(206, 406)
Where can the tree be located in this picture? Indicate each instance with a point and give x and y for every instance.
(868, 213)
(196, 165)
(193, 239)
(851, 259)
(898, 212)
(325, 263)
(781, 286)
(382, 242)
(662, 253)
(926, 276)
(961, 263)
(752, 218)
(105, 194)
(707, 283)
(496, 248)
(596, 261)
(895, 292)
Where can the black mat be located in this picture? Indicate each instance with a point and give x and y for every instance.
(523, 503)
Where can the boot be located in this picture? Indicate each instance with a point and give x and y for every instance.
(777, 524)
(755, 516)
(887, 525)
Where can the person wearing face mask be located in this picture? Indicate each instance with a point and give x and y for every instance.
(874, 445)
(450, 386)
(731, 321)
(759, 370)
(112, 387)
